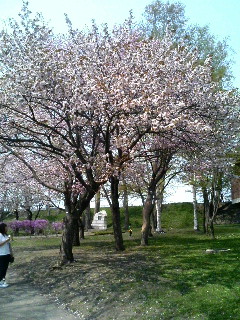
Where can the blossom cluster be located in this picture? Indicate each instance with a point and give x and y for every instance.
(34, 226)
(57, 226)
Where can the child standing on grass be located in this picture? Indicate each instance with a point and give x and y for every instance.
(130, 231)
(5, 254)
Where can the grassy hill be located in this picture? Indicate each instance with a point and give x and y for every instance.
(175, 215)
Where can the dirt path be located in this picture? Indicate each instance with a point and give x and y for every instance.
(20, 301)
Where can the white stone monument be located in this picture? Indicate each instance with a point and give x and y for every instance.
(100, 220)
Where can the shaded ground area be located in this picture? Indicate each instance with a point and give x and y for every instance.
(20, 301)
(228, 214)
(96, 286)
(101, 284)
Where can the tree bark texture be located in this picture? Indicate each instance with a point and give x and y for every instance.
(81, 228)
(211, 227)
(195, 210)
(125, 206)
(74, 207)
(87, 218)
(147, 210)
(159, 203)
(206, 208)
(76, 237)
(116, 214)
(97, 202)
(154, 218)
(67, 240)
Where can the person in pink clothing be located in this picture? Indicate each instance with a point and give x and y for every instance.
(5, 254)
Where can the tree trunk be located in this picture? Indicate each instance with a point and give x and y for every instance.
(147, 210)
(195, 211)
(215, 198)
(74, 207)
(48, 209)
(141, 196)
(211, 227)
(211, 218)
(116, 214)
(38, 212)
(159, 171)
(16, 214)
(30, 217)
(206, 207)
(81, 228)
(76, 228)
(16, 233)
(97, 202)
(87, 218)
(67, 240)
(204, 220)
(125, 206)
(150, 234)
(159, 203)
(154, 218)
(107, 197)
(29, 214)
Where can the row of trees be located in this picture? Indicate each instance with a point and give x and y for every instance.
(130, 104)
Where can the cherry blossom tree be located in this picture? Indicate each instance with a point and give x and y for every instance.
(21, 192)
(76, 108)
(138, 177)
(212, 172)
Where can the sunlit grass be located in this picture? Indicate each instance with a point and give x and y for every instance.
(175, 278)
(35, 242)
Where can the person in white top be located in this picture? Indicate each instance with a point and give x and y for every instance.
(4, 254)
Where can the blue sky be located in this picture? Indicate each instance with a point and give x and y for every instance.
(221, 15)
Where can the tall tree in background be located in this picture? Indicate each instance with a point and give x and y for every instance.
(165, 17)
(212, 171)
(207, 44)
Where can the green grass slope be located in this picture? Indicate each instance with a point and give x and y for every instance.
(175, 215)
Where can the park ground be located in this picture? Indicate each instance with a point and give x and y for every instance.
(172, 278)
(22, 301)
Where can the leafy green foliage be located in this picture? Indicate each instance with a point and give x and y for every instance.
(208, 44)
(162, 17)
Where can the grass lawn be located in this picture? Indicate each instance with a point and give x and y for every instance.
(172, 278)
